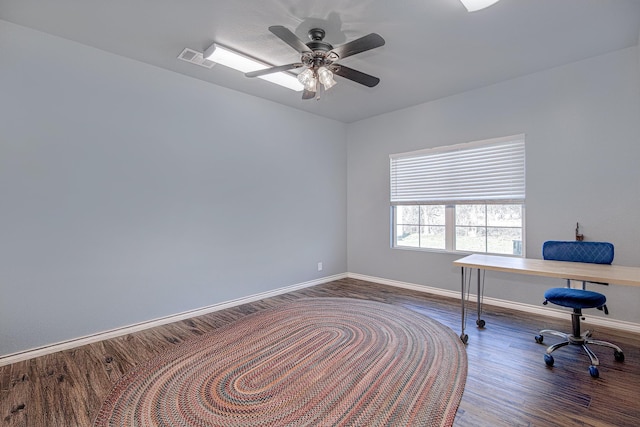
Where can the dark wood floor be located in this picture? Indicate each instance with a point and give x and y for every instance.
(508, 383)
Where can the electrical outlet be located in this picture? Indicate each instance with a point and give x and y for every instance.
(319, 266)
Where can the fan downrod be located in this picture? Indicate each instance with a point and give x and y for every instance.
(316, 34)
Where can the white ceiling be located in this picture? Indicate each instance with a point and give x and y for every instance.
(434, 48)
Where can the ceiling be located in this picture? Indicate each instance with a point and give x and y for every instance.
(434, 48)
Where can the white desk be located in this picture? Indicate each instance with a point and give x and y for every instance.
(615, 274)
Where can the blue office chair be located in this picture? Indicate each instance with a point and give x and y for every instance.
(577, 299)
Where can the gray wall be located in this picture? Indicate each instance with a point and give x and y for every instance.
(129, 193)
(582, 127)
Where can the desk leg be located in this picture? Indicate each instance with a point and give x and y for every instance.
(463, 300)
(464, 337)
(480, 323)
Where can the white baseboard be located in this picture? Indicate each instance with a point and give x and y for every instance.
(113, 333)
(528, 308)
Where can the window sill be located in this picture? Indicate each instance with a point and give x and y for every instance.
(444, 251)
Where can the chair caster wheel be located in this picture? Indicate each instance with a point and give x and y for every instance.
(480, 323)
(539, 339)
(548, 359)
(593, 371)
(464, 338)
(619, 356)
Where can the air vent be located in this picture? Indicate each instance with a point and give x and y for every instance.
(193, 57)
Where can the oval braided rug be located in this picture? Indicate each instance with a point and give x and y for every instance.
(310, 362)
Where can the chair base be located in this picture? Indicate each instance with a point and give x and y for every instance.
(583, 340)
(577, 338)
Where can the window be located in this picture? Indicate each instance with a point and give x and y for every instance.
(466, 197)
(421, 226)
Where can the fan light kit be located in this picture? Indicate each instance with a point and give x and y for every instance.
(473, 5)
(229, 58)
(319, 60)
(309, 78)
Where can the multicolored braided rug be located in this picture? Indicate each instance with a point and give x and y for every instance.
(309, 362)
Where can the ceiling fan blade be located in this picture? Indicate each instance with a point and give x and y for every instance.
(362, 44)
(270, 70)
(308, 94)
(355, 75)
(289, 38)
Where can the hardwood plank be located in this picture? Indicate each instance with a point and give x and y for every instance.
(508, 383)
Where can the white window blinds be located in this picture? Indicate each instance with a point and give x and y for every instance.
(491, 171)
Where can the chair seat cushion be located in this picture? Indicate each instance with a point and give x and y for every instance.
(575, 298)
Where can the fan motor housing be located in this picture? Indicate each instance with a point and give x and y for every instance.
(316, 35)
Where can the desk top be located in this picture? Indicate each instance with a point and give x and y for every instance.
(614, 274)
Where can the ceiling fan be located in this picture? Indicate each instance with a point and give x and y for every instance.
(319, 58)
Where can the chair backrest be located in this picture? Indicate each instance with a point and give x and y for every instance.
(591, 252)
